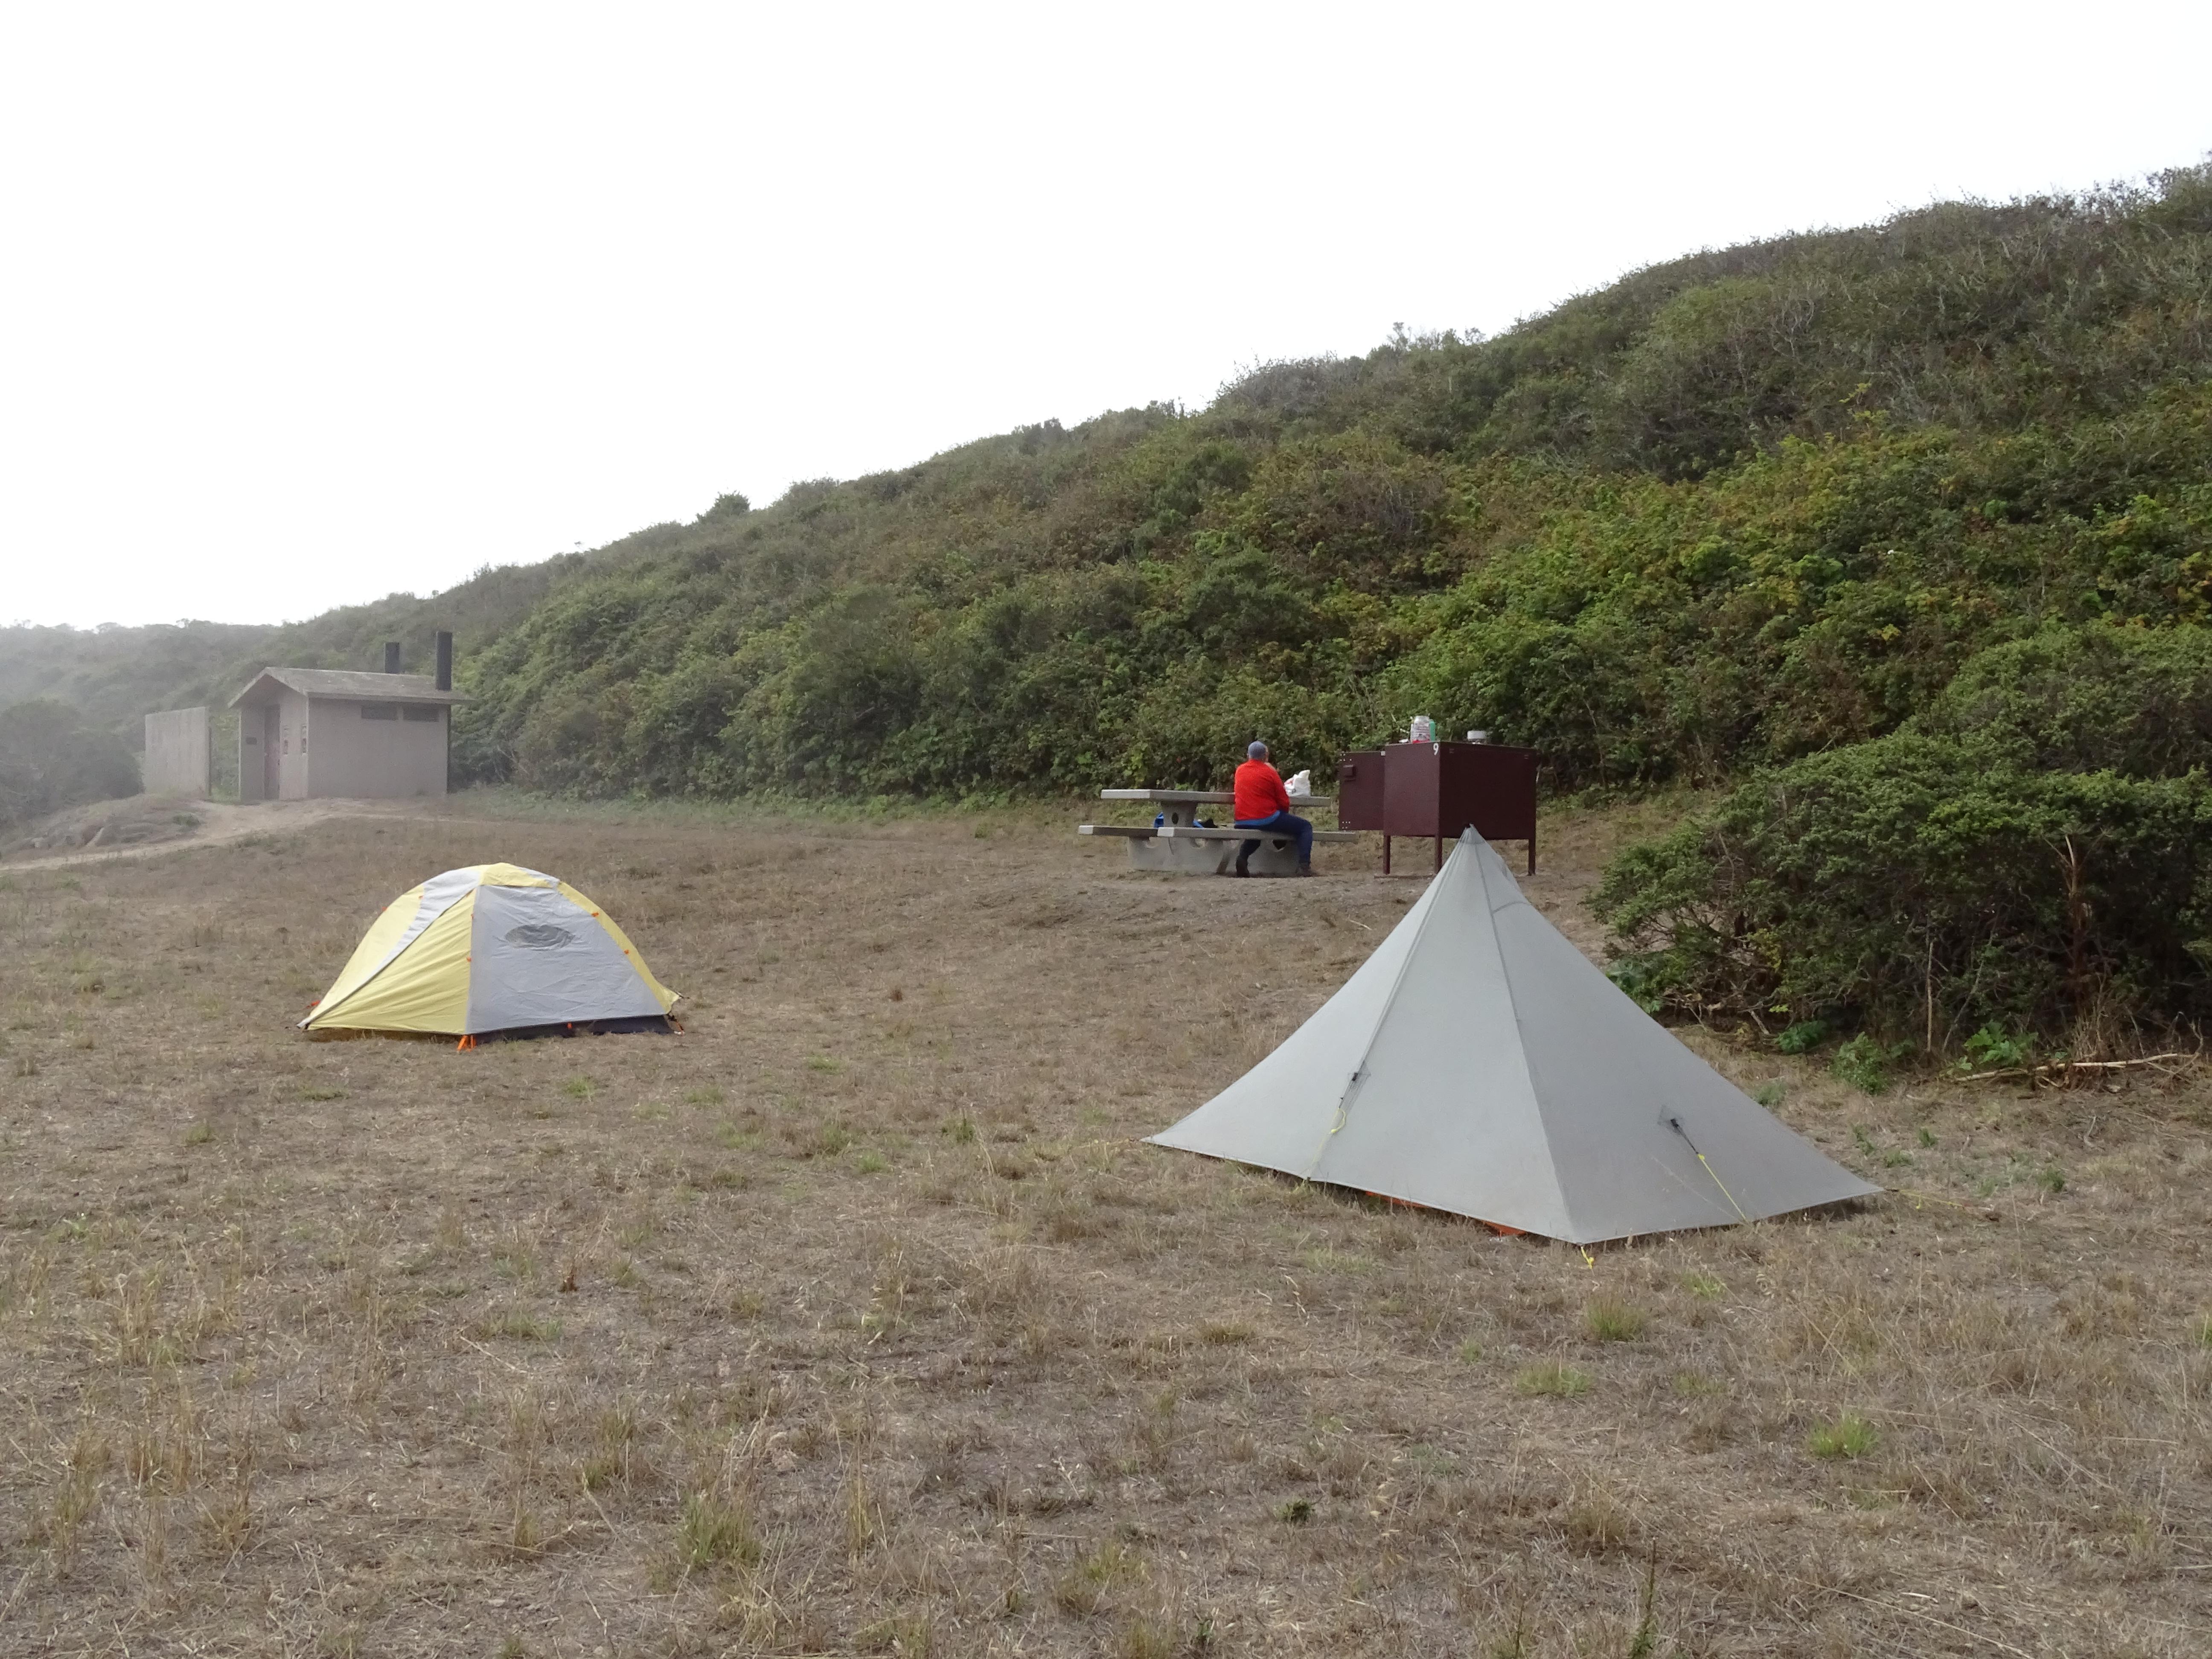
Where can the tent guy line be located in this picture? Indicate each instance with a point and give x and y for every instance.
(1675, 1124)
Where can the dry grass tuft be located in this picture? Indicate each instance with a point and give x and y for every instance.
(715, 1528)
(1551, 1377)
(1847, 1436)
(1610, 1319)
(1083, 1590)
(1596, 1522)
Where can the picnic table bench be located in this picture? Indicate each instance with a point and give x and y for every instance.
(1180, 844)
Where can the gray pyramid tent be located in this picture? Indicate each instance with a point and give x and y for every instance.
(1479, 1063)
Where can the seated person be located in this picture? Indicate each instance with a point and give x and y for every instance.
(1263, 803)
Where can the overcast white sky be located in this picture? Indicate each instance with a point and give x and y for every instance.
(301, 305)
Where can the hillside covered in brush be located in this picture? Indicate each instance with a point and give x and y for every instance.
(1746, 505)
(1882, 525)
(1743, 505)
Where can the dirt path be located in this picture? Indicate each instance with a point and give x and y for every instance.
(221, 821)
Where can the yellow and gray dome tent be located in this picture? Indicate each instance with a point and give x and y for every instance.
(1479, 1063)
(491, 948)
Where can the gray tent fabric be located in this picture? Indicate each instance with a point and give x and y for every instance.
(538, 959)
(1479, 1063)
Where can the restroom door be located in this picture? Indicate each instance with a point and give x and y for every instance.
(272, 775)
(249, 754)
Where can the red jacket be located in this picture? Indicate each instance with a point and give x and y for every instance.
(1260, 792)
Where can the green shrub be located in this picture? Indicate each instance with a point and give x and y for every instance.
(2136, 701)
(1864, 1063)
(1915, 884)
(1991, 1049)
(1643, 979)
(1802, 1038)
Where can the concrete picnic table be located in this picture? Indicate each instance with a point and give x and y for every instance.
(1181, 846)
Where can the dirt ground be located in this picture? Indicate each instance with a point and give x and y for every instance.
(145, 825)
(857, 1319)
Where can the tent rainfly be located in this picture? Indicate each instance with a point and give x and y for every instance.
(1479, 1063)
(492, 948)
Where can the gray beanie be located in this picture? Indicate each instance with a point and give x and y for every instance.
(1257, 750)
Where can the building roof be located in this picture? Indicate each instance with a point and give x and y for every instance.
(349, 683)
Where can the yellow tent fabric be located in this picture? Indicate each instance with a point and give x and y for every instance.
(425, 989)
(490, 947)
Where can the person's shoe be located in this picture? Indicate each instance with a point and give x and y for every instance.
(1242, 871)
(1305, 869)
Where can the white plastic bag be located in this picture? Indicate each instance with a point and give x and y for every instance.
(1299, 786)
(1423, 730)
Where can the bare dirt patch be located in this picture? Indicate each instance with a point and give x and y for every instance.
(856, 1319)
(139, 822)
(143, 824)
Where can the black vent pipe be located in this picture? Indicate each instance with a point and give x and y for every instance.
(445, 661)
(392, 656)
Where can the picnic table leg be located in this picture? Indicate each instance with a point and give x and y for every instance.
(1386, 855)
(1440, 852)
(1532, 849)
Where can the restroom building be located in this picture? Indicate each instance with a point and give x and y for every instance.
(305, 734)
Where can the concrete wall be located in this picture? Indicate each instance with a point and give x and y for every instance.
(379, 759)
(176, 760)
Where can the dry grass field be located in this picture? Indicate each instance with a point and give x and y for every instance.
(856, 1319)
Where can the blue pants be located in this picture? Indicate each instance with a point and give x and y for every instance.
(1283, 824)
